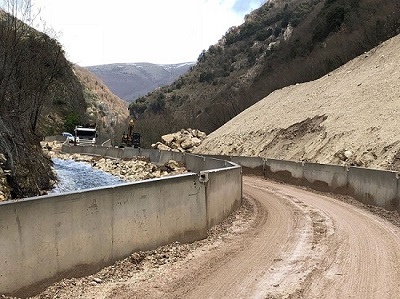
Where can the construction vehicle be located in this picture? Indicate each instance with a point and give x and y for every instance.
(131, 139)
(86, 134)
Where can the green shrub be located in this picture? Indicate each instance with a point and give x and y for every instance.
(71, 120)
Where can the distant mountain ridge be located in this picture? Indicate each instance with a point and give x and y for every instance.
(130, 81)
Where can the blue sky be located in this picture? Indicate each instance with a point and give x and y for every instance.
(96, 32)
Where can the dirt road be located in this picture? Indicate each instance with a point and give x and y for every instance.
(295, 244)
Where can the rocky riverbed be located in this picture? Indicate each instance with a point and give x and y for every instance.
(138, 168)
(129, 170)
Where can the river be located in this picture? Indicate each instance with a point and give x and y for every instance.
(73, 176)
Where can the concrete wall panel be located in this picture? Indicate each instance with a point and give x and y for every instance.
(212, 163)
(152, 154)
(145, 216)
(130, 152)
(285, 171)
(43, 237)
(71, 149)
(89, 149)
(375, 187)
(101, 151)
(165, 156)
(250, 165)
(332, 178)
(57, 138)
(194, 163)
(114, 152)
(223, 193)
(221, 157)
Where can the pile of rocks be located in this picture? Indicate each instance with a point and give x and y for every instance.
(182, 141)
(138, 168)
(135, 169)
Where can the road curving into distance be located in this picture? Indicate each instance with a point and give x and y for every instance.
(305, 245)
(295, 244)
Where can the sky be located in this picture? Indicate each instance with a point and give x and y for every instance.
(95, 32)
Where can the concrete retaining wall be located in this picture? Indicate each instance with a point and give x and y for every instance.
(327, 178)
(222, 201)
(370, 186)
(57, 138)
(374, 187)
(44, 239)
(195, 163)
(285, 171)
(250, 165)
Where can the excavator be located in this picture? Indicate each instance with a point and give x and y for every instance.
(131, 139)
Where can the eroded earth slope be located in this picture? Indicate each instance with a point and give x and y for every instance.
(350, 116)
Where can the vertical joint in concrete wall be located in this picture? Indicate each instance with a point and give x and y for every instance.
(264, 166)
(203, 177)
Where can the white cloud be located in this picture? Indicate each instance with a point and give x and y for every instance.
(98, 32)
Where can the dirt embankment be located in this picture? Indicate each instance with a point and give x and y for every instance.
(350, 116)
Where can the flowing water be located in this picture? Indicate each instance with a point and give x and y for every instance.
(73, 176)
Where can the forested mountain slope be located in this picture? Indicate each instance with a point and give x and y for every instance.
(280, 44)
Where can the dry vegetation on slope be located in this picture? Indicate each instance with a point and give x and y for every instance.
(349, 116)
(284, 42)
(40, 95)
(104, 107)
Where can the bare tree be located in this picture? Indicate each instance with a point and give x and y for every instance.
(30, 63)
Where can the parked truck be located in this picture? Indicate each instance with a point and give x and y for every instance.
(85, 135)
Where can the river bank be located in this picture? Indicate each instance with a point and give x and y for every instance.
(129, 170)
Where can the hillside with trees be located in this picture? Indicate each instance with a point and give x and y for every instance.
(40, 94)
(130, 81)
(280, 44)
(108, 111)
(35, 79)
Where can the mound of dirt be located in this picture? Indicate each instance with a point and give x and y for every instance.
(350, 116)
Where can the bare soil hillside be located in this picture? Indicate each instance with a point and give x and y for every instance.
(350, 116)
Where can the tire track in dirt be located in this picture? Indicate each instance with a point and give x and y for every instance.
(270, 260)
(310, 246)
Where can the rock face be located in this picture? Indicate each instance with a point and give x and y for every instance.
(182, 141)
(4, 187)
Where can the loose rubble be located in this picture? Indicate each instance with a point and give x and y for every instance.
(182, 141)
(130, 170)
(135, 169)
